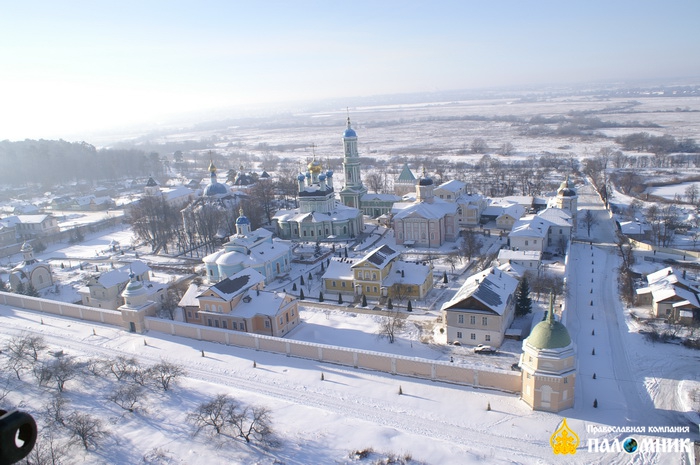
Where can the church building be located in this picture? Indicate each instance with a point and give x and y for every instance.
(319, 215)
(30, 271)
(249, 249)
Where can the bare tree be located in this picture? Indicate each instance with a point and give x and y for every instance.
(589, 220)
(54, 410)
(169, 304)
(375, 182)
(167, 373)
(471, 244)
(691, 193)
(391, 324)
(127, 396)
(86, 429)
(211, 414)
(48, 450)
(478, 145)
(63, 369)
(250, 423)
(122, 366)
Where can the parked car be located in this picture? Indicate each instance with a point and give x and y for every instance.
(484, 349)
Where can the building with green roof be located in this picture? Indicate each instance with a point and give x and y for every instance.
(548, 365)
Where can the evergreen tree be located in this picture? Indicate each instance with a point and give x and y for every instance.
(409, 308)
(302, 280)
(31, 290)
(364, 300)
(523, 302)
(320, 296)
(390, 305)
(444, 277)
(310, 277)
(21, 289)
(340, 298)
(301, 294)
(294, 287)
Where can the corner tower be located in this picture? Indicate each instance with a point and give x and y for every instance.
(353, 190)
(548, 366)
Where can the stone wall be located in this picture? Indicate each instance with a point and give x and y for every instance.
(508, 381)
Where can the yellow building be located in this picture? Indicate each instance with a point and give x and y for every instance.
(379, 274)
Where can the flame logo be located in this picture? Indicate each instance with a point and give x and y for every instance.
(564, 440)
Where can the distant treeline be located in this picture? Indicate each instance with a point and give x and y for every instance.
(54, 162)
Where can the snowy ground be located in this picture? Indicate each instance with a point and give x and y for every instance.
(322, 421)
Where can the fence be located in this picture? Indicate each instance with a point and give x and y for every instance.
(508, 381)
(503, 380)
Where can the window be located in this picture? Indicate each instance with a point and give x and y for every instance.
(333, 283)
(206, 307)
(305, 235)
(461, 318)
(527, 243)
(189, 314)
(374, 276)
(375, 289)
(234, 325)
(484, 321)
(281, 321)
(292, 312)
(267, 324)
(367, 288)
(487, 338)
(342, 284)
(208, 321)
(216, 323)
(566, 380)
(224, 325)
(472, 336)
(472, 320)
(459, 334)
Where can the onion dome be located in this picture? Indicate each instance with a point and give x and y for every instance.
(566, 189)
(329, 173)
(315, 167)
(321, 177)
(301, 177)
(242, 219)
(349, 131)
(425, 180)
(214, 187)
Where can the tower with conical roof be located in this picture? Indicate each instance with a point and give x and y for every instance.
(548, 365)
(405, 183)
(353, 190)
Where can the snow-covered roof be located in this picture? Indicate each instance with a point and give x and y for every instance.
(406, 175)
(435, 210)
(340, 213)
(492, 287)
(121, 275)
(379, 257)
(265, 303)
(413, 274)
(234, 285)
(507, 254)
(380, 197)
(339, 269)
(453, 185)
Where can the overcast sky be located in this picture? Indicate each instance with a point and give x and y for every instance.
(71, 67)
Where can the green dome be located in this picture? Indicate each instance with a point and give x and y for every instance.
(549, 334)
